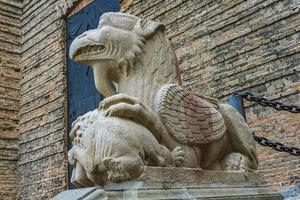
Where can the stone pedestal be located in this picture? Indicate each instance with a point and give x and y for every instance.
(181, 183)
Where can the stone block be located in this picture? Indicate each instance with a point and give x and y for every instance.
(181, 183)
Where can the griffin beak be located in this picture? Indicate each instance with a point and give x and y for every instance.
(86, 49)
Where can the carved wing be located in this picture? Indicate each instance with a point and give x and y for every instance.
(189, 118)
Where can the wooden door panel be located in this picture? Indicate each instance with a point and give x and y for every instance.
(81, 92)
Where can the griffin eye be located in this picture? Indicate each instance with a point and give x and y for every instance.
(101, 47)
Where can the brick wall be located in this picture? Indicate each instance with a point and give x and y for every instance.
(42, 162)
(10, 13)
(240, 45)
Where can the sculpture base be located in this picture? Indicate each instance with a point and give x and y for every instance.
(181, 183)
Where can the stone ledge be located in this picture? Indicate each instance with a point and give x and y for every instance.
(192, 175)
(181, 183)
(141, 190)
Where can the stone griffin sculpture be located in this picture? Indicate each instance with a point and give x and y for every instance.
(137, 56)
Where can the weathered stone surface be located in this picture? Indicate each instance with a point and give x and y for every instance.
(86, 193)
(191, 175)
(181, 183)
(292, 192)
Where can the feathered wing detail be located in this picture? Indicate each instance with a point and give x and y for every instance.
(189, 118)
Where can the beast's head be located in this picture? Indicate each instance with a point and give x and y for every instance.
(79, 132)
(116, 42)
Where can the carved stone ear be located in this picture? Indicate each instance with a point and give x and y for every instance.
(148, 28)
(74, 129)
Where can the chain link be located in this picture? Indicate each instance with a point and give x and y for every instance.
(265, 102)
(276, 145)
(278, 106)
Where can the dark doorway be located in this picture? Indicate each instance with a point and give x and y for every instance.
(82, 94)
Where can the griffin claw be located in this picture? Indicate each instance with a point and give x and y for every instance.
(178, 156)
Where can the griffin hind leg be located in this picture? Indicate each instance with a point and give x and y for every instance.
(239, 135)
(235, 162)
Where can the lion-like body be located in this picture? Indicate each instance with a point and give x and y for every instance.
(112, 149)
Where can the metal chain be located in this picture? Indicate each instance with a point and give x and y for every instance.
(265, 102)
(276, 145)
(278, 106)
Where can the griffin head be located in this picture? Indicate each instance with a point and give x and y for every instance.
(116, 43)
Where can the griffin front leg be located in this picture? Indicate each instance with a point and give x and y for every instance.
(178, 156)
(165, 158)
(118, 98)
(125, 106)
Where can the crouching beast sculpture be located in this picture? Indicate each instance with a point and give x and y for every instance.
(137, 55)
(111, 149)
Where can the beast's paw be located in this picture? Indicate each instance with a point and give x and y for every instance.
(72, 154)
(178, 156)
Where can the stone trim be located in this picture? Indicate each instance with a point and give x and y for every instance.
(66, 8)
(79, 6)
